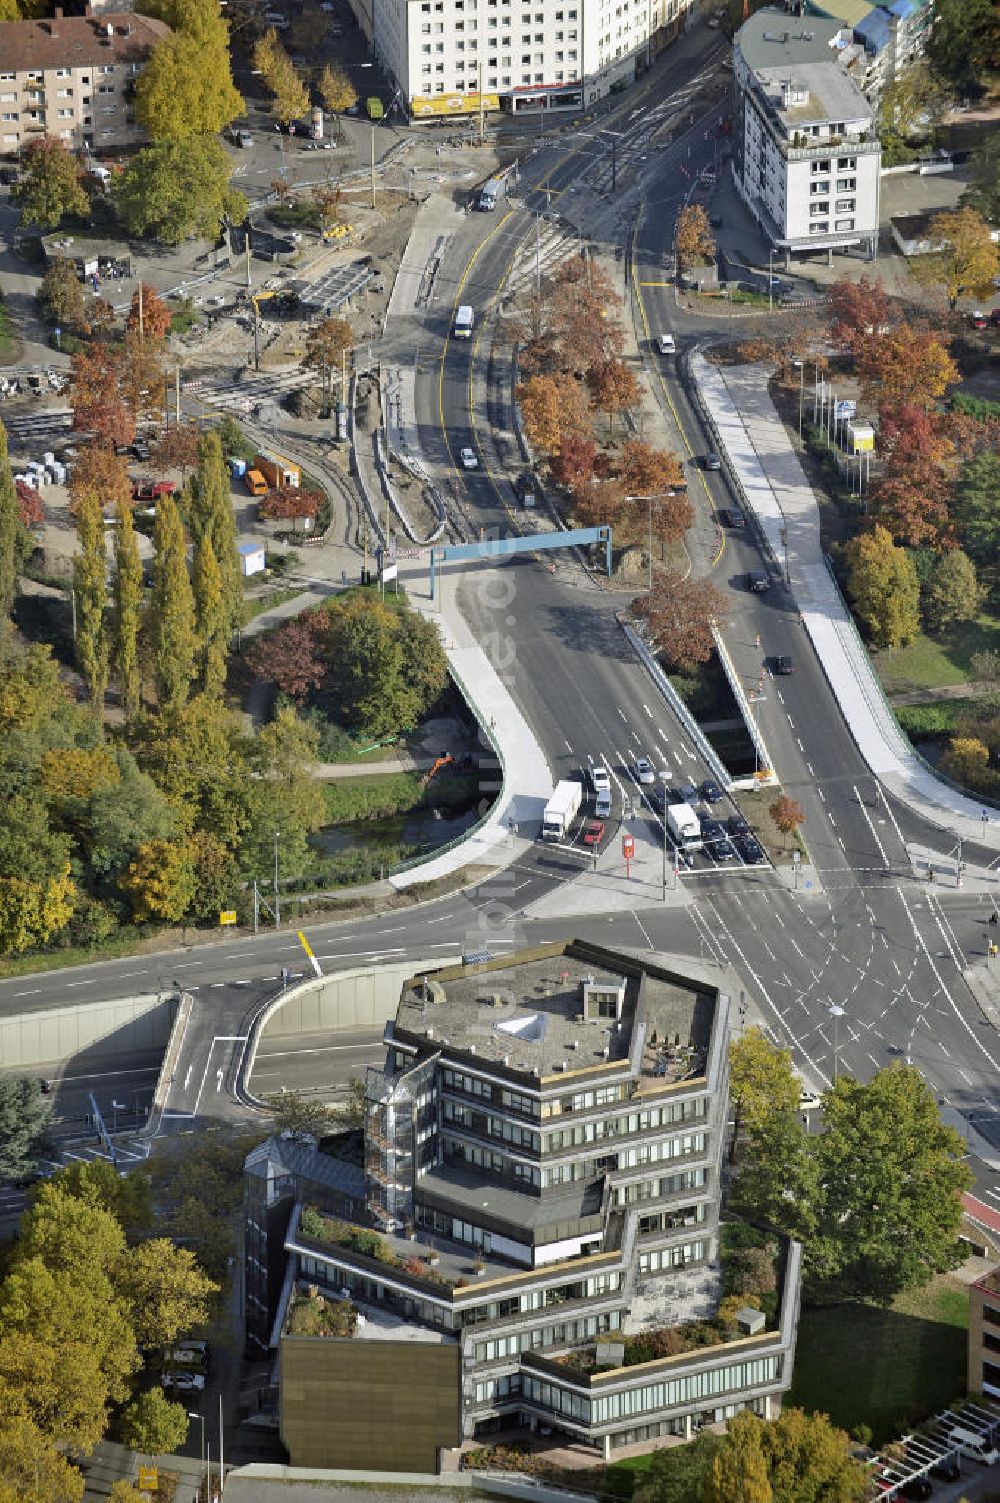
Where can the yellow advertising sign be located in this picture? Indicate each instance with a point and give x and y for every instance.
(148, 1479)
(227, 916)
(422, 105)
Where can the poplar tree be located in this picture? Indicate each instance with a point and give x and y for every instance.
(9, 516)
(174, 640)
(90, 570)
(211, 513)
(127, 613)
(210, 616)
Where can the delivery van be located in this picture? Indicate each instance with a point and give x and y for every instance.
(975, 1447)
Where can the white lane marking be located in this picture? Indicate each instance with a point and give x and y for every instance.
(868, 821)
(645, 935)
(798, 743)
(821, 794)
(940, 981)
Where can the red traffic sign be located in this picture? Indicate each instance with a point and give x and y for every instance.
(628, 847)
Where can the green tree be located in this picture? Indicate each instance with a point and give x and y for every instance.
(809, 1460)
(68, 1234)
(983, 192)
(174, 189)
(884, 587)
(293, 1112)
(366, 658)
(32, 1468)
(186, 88)
(911, 105)
(285, 794)
(127, 615)
(32, 912)
(737, 1472)
(964, 42)
(969, 261)
(9, 530)
(762, 1081)
(154, 1426)
(291, 97)
(24, 1115)
(48, 183)
(777, 1172)
(123, 817)
(889, 1180)
(61, 298)
(977, 510)
(677, 1473)
(91, 591)
(953, 592)
(199, 759)
(211, 515)
(160, 881)
(127, 1197)
(172, 617)
(210, 618)
(164, 1290)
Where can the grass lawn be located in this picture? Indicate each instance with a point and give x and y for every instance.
(929, 663)
(269, 602)
(10, 345)
(885, 1368)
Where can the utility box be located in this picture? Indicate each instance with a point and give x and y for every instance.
(859, 438)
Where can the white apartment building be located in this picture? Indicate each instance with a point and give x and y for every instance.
(521, 54)
(807, 154)
(72, 77)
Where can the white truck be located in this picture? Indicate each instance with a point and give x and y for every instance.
(464, 320)
(685, 830)
(561, 809)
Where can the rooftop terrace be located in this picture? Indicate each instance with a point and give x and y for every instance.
(532, 1015)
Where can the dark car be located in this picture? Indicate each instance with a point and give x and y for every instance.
(736, 824)
(711, 830)
(756, 581)
(658, 797)
(720, 850)
(917, 1487)
(710, 791)
(684, 793)
(750, 849)
(947, 1469)
(731, 516)
(782, 665)
(712, 461)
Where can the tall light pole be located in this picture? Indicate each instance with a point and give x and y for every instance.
(657, 496)
(277, 899)
(770, 280)
(193, 1415)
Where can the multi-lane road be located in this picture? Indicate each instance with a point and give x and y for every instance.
(866, 938)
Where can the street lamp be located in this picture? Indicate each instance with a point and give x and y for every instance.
(657, 496)
(192, 1414)
(277, 899)
(770, 280)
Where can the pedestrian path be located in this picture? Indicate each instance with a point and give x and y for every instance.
(774, 486)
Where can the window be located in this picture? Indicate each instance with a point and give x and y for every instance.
(819, 227)
(844, 224)
(8, 77)
(65, 114)
(9, 116)
(845, 205)
(817, 167)
(820, 208)
(846, 184)
(62, 73)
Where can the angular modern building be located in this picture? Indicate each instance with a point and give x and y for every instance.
(806, 155)
(538, 1196)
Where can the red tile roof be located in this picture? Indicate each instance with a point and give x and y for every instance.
(78, 41)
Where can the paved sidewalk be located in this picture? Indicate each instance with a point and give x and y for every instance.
(776, 489)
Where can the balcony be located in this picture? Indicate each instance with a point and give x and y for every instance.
(855, 146)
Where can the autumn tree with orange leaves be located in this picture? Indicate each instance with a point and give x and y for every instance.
(104, 473)
(905, 367)
(553, 407)
(614, 388)
(680, 614)
(912, 497)
(148, 314)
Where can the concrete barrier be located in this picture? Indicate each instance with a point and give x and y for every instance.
(124, 1024)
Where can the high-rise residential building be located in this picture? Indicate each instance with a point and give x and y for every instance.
(73, 77)
(522, 54)
(531, 1216)
(806, 150)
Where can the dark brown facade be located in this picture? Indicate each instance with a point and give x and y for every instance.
(369, 1405)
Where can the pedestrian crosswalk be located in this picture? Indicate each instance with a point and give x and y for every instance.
(243, 395)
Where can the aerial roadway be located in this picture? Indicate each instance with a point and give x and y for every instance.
(867, 960)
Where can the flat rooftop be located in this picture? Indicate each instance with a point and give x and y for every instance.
(528, 1014)
(819, 92)
(774, 39)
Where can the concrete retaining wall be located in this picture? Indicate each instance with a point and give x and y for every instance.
(347, 999)
(125, 1024)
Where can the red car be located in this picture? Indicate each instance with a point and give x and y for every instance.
(593, 832)
(979, 320)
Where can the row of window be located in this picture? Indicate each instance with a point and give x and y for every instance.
(822, 226)
(844, 164)
(494, 1163)
(490, 1126)
(567, 1333)
(685, 1390)
(658, 1189)
(579, 1101)
(672, 1257)
(36, 78)
(540, 16)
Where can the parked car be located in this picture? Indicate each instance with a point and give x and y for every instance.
(737, 824)
(593, 832)
(917, 1487)
(720, 850)
(184, 1382)
(978, 320)
(947, 1469)
(644, 772)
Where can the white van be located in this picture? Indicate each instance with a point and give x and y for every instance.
(975, 1447)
